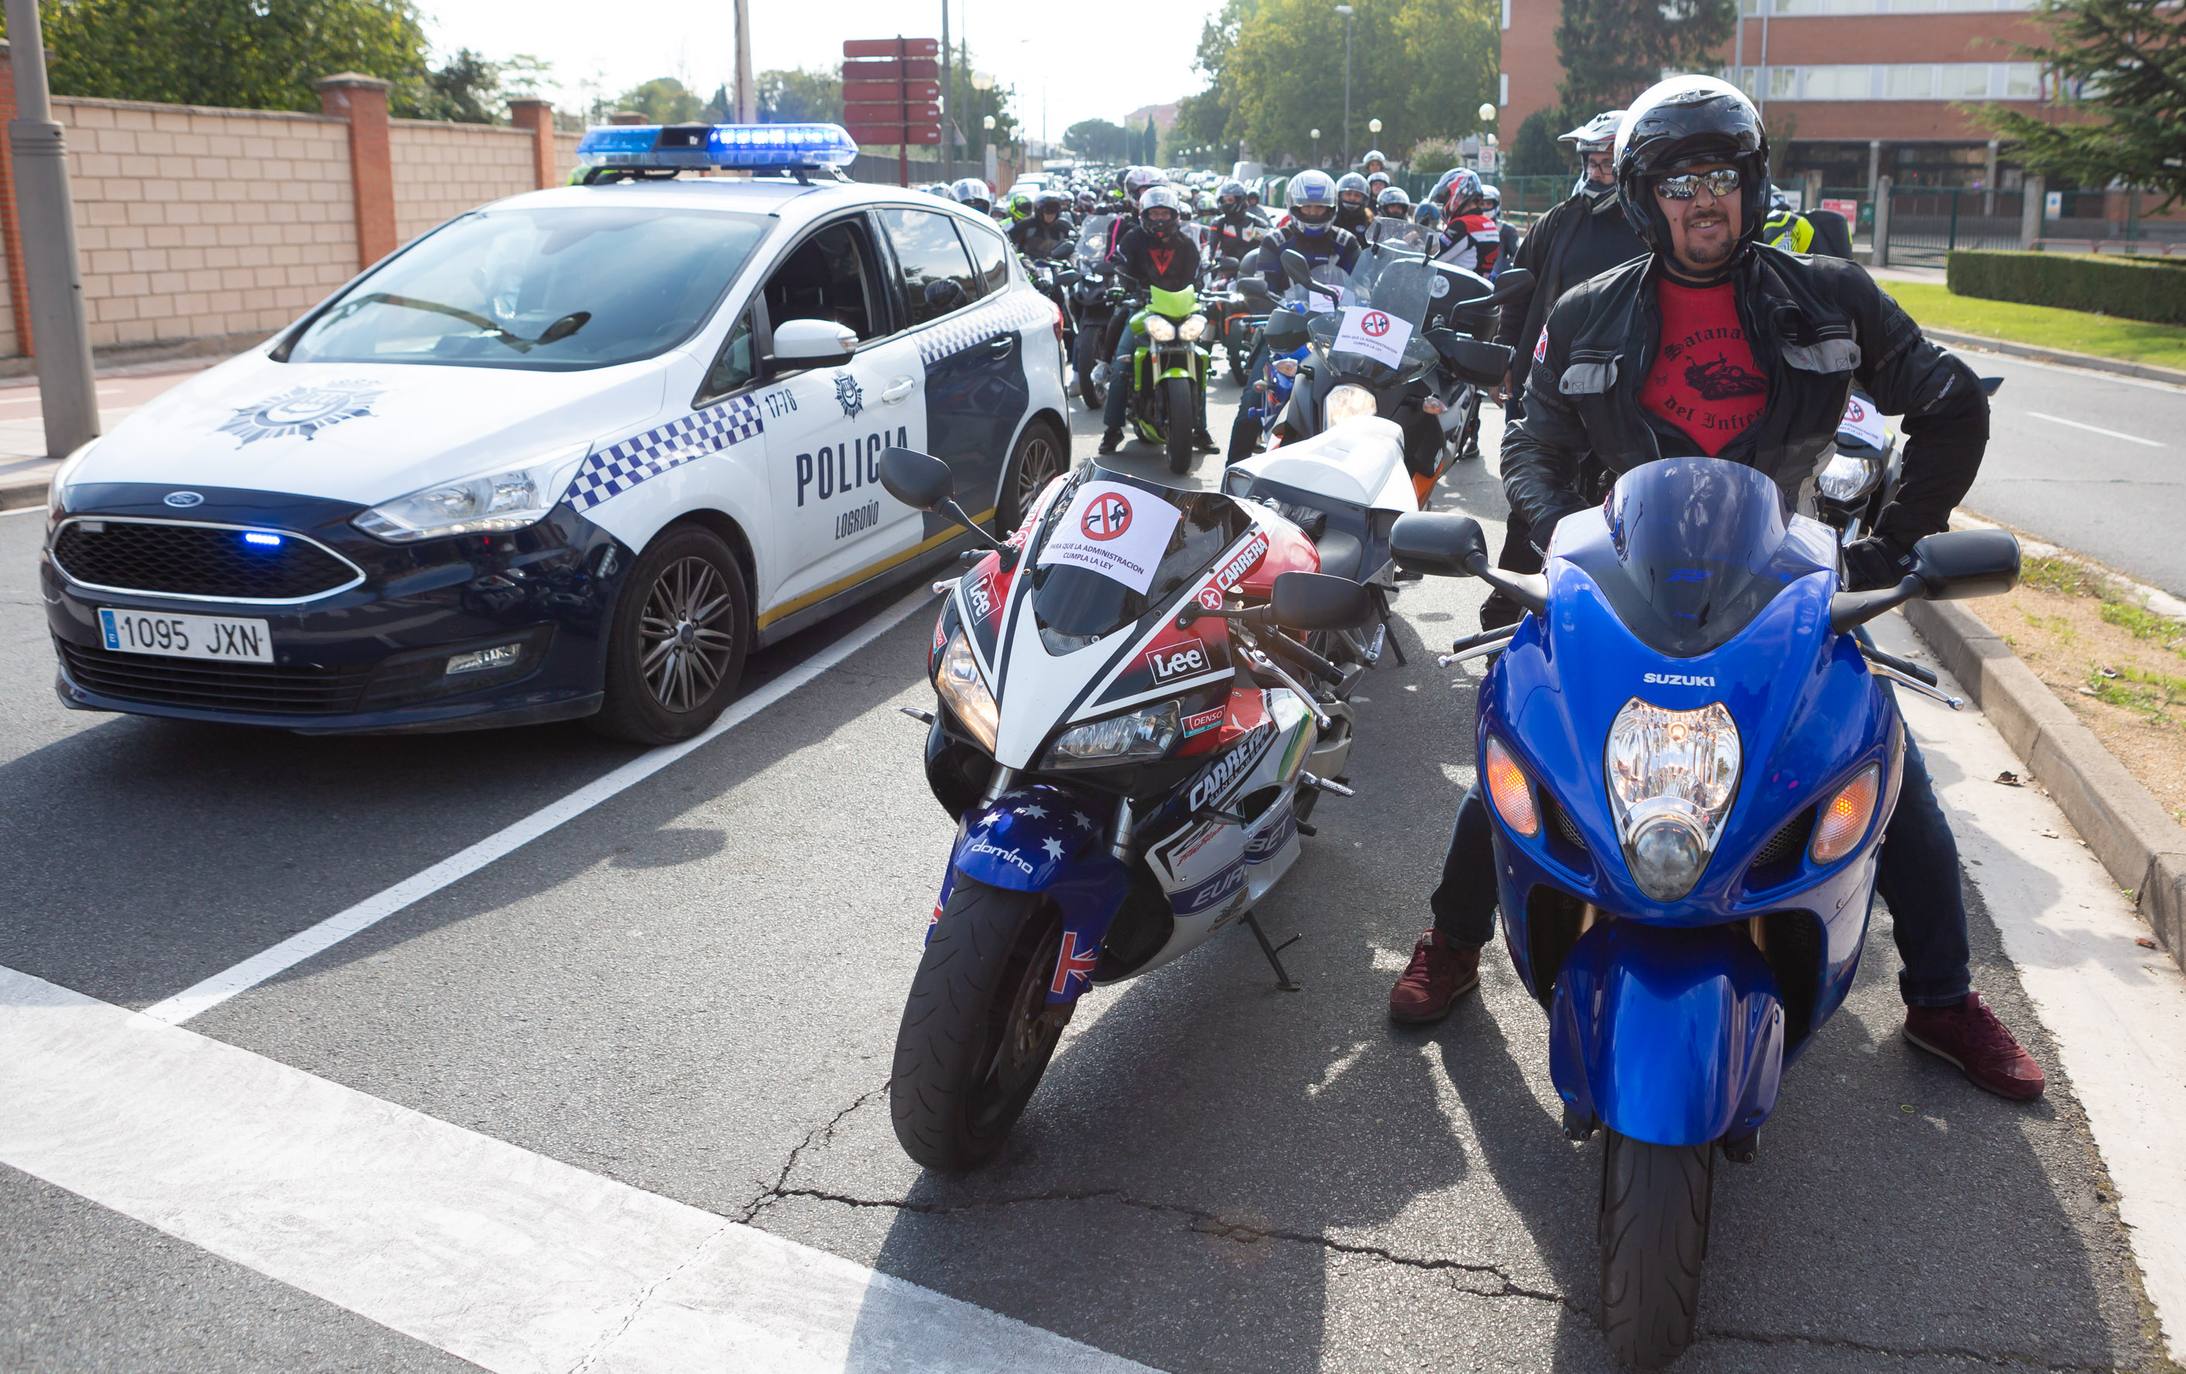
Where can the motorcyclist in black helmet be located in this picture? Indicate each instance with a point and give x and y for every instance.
(1354, 208)
(1235, 226)
(1156, 252)
(1048, 233)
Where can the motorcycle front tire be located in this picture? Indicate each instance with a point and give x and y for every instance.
(1094, 394)
(976, 1035)
(1181, 424)
(1653, 1235)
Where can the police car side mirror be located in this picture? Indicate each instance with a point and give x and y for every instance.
(813, 343)
(1296, 267)
(919, 480)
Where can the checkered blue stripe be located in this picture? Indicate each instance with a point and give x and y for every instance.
(614, 470)
(1015, 310)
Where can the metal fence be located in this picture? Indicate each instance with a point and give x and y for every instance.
(1927, 223)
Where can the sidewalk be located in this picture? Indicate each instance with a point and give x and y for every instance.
(25, 466)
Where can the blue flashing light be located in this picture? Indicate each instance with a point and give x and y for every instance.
(749, 147)
(262, 540)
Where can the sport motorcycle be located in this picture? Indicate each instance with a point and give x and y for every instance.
(1689, 758)
(1132, 732)
(1861, 477)
(1094, 303)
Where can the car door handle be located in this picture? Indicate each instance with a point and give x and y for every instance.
(897, 390)
(1001, 344)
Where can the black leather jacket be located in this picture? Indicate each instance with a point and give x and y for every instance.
(1816, 326)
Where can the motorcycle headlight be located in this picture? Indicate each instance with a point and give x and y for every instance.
(1848, 476)
(486, 504)
(1672, 775)
(1160, 329)
(1287, 366)
(1146, 733)
(1192, 328)
(961, 688)
(1348, 402)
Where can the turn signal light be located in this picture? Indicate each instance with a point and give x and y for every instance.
(1510, 791)
(1844, 817)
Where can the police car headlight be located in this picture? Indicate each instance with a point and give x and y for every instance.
(66, 473)
(961, 688)
(1147, 733)
(1672, 775)
(486, 504)
(1348, 402)
(1191, 329)
(1849, 476)
(1160, 329)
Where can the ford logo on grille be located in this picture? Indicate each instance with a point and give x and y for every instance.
(183, 500)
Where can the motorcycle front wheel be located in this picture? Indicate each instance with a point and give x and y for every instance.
(1181, 424)
(1094, 394)
(1654, 1235)
(977, 1033)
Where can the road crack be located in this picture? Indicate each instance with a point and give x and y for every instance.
(599, 1347)
(819, 1135)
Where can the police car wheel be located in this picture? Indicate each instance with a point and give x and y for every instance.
(682, 628)
(1041, 457)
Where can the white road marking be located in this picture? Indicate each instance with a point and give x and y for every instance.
(2117, 1011)
(378, 907)
(492, 1253)
(2095, 429)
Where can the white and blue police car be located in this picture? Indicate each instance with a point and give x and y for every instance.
(574, 453)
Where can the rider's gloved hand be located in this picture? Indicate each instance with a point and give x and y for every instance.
(1874, 563)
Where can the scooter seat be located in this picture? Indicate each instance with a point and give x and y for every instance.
(1342, 554)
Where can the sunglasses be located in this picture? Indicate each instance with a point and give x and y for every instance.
(1720, 183)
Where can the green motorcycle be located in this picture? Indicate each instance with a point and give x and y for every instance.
(1169, 373)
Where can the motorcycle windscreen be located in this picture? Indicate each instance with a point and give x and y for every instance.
(1093, 242)
(1378, 336)
(1696, 547)
(1075, 604)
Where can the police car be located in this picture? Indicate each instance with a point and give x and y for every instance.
(573, 454)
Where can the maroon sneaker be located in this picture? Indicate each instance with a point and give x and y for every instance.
(1969, 1036)
(1439, 974)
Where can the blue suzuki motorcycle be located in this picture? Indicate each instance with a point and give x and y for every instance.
(1690, 758)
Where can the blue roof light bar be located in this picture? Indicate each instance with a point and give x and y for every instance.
(749, 147)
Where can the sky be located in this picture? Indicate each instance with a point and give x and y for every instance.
(1090, 61)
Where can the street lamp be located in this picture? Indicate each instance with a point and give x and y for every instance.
(1345, 11)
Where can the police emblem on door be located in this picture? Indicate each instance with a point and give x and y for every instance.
(850, 394)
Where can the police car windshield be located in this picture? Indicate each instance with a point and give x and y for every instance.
(548, 290)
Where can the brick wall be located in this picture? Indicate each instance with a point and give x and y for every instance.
(8, 346)
(441, 170)
(565, 155)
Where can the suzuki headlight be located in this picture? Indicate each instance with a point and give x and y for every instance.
(965, 693)
(486, 504)
(1191, 329)
(1160, 329)
(1348, 402)
(1672, 775)
(1142, 734)
(1848, 476)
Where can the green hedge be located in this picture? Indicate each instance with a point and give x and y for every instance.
(2117, 286)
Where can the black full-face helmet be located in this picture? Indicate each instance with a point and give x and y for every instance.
(1681, 123)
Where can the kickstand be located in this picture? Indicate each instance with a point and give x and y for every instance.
(1282, 975)
(1381, 604)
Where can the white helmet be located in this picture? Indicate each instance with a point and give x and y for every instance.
(1597, 135)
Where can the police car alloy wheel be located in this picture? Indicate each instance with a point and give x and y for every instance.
(1040, 458)
(679, 639)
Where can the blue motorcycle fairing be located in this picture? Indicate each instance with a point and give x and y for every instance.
(1049, 840)
(1671, 1036)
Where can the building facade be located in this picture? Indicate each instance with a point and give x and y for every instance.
(1857, 89)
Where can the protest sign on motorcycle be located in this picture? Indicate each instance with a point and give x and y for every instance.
(1114, 530)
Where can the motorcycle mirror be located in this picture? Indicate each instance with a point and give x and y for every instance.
(1319, 601)
(1254, 289)
(1513, 281)
(1990, 384)
(1442, 543)
(1482, 364)
(919, 480)
(1296, 267)
(1966, 563)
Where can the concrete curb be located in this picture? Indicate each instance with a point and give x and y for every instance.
(2036, 353)
(2123, 824)
(16, 492)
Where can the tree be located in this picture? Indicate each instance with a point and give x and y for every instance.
(1614, 49)
(467, 89)
(1149, 143)
(2121, 66)
(663, 100)
(1098, 140)
(799, 96)
(1535, 152)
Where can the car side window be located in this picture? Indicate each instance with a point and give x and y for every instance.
(937, 274)
(830, 276)
(737, 365)
(990, 255)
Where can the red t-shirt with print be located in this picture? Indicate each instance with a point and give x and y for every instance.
(1704, 379)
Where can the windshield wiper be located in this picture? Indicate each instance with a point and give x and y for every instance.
(554, 333)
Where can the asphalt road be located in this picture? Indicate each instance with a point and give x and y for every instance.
(694, 989)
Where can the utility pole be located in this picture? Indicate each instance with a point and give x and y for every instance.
(1345, 11)
(59, 335)
(948, 99)
(747, 98)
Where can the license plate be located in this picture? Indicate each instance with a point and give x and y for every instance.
(216, 637)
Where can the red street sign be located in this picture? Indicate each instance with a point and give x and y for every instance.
(892, 112)
(888, 92)
(894, 135)
(891, 47)
(888, 69)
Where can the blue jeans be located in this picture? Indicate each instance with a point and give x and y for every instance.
(1917, 876)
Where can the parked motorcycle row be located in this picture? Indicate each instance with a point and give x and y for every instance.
(1689, 746)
